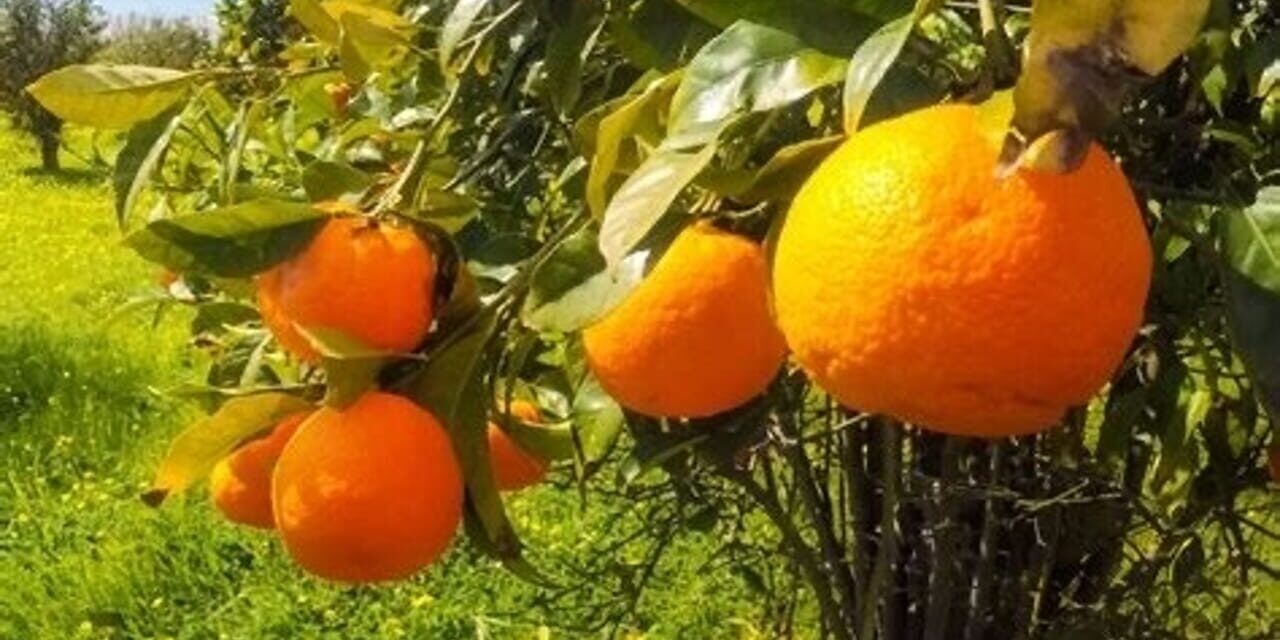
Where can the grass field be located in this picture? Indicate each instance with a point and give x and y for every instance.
(81, 428)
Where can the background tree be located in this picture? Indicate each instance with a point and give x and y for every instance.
(254, 31)
(154, 41)
(36, 37)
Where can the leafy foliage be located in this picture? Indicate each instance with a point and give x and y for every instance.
(551, 148)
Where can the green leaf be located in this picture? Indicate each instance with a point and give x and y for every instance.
(111, 96)
(597, 418)
(325, 180)
(658, 34)
(455, 28)
(315, 19)
(452, 386)
(834, 26)
(234, 242)
(645, 197)
(783, 175)
(1251, 242)
(215, 316)
(749, 67)
(873, 60)
(565, 52)
(630, 116)
(196, 450)
(138, 161)
(546, 441)
(449, 210)
(572, 289)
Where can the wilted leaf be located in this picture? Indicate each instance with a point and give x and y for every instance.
(749, 67)
(236, 241)
(645, 197)
(195, 451)
(1251, 239)
(1079, 66)
(572, 289)
(111, 96)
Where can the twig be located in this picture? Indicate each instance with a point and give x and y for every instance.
(887, 556)
(980, 590)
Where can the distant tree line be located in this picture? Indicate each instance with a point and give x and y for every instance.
(38, 36)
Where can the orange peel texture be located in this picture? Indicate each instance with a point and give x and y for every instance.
(370, 493)
(910, 281)
(695, 337)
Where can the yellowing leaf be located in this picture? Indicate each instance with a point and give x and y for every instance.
(111, 96)
(1080, 64)
(195, 451)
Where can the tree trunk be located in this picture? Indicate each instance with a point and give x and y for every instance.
(49, 143)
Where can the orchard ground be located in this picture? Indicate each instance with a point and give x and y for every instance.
(82, 426)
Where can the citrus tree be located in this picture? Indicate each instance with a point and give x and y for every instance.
(975, 307)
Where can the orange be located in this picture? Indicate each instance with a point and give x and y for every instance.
(241, 482)
(513, 467)
(370, 281)
(910, 281)
(1273, 460)
(280, 324)
(695, 337)
(369, 493)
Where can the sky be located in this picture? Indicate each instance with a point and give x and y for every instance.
(193, 8)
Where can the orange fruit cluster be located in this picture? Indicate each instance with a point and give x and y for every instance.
(371, 491)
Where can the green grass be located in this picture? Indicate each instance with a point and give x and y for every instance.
(81, 428)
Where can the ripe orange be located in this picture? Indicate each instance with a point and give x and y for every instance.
(372, 281)
(695, 338)
(280, 324)
(369, 493)
(513, 467)
(241, 482)
(910, 281)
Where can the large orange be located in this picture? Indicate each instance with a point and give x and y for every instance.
(369, 493)
(371, 281)
(241, 483)
(513, 467)
(910, 281)
(695, 337)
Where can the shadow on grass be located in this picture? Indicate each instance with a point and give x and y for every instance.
(67, 177)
